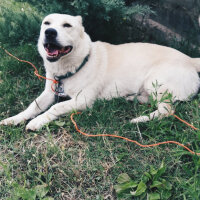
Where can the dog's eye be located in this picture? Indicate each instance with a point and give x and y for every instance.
(47, 23)
(67, 25)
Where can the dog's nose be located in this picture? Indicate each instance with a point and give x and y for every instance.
(51, 33)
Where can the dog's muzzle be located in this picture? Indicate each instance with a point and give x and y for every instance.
(53, 49)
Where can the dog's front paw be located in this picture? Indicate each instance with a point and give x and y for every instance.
(12, 120)
(34, 124)
(38, 122)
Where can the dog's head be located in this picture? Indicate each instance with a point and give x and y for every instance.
(59, 36)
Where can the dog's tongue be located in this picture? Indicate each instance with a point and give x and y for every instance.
(52, 52)
(56, 52)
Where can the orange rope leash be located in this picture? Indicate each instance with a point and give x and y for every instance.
(105, 135)
(117, 136)
(35, 72)
(185, 122)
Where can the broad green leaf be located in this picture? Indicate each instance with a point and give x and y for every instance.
(123, 178)
(160, 171)
(156, 184)
(162, 164)
(29, 195)
(146, 177)
(124, 186)
(48, 198)
(60, 124)
(41, 190)
(167, 185)
(147, 174)
(25, 194)
(141, 188)
(153, 171)
(165, 194)
(153, 196)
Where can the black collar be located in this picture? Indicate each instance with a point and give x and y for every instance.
(69, 74)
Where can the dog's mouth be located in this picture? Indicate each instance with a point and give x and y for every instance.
(54, 52)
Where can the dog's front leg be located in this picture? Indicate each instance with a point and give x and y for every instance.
(59, 109)
(35, 108)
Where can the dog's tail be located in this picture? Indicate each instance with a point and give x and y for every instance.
(196, 62)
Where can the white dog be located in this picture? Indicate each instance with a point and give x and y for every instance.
(89, 70)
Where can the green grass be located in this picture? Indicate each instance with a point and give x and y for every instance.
(60, 163)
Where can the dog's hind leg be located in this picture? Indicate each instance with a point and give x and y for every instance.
(164, 101)
(164, 110)
(142, 97)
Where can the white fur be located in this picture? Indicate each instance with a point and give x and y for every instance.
(127, 70)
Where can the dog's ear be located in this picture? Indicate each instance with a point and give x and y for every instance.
(79, 18)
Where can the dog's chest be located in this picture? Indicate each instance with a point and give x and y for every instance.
(68, 88)
(62, 92)
(59, 90)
